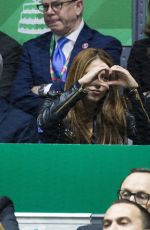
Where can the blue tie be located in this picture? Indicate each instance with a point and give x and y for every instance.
(58, 57)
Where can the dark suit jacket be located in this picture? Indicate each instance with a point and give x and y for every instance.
(10, 51)
(16, 126)
(7, 216)
(91, 227)
(34, 66)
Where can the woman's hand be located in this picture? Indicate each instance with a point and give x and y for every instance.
(94, 76)
(125, 79)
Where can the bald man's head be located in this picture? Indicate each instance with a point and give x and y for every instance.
(136, 187)
(126, 215)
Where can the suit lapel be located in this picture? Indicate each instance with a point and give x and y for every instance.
(82, 42)
(44, 55)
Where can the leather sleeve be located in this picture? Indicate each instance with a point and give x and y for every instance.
(142, 119)
(56, 107)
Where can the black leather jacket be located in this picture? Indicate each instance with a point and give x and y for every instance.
(52, 115)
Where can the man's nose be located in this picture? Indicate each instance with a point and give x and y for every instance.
(50, 10)
(132, 198)
(114, 226)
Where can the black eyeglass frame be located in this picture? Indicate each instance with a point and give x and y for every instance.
(135, 196)
(53, 5)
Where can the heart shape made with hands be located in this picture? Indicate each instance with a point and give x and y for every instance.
(117, 75)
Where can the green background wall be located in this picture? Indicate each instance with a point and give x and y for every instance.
(109, 17)
(66, 178)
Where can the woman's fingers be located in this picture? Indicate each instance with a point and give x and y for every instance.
(92, 75)
(125, 79)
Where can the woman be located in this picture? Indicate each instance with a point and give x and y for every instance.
(91, 110)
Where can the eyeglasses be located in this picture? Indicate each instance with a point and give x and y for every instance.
(139, 197)
(56, 6)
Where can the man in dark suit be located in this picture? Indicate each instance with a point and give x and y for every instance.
(7, 214)
(10, 51)
(64, 18)
(16, 126)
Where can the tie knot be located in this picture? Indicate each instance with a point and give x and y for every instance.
(62, 41)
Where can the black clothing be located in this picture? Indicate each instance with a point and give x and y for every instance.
(139, 66)
(10, 51)
(7, 216)
(16, 126)
(54, 110)
(139, 63)
(91, 227)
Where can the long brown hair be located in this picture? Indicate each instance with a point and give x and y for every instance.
(110, 118)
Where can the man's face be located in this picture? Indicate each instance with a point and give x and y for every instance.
(138, 182)
(123, 216)
(65, 20)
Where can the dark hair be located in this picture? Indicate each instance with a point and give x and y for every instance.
(144, 213)
(147, 26)
(140, 170)
(5, 202)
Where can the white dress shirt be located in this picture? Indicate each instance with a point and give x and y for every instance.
(67, 48)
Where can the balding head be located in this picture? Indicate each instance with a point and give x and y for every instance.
(126, 215)
(138, 183)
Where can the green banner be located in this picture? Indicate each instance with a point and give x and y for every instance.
(21, 19)
(66, 178)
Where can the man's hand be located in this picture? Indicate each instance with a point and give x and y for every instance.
(35, 89)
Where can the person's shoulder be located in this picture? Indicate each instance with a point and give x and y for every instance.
(39, 39)
(90, 227)
(6, 39)
(97, 35)
(142, 42)
(5, 202)
(7, 214)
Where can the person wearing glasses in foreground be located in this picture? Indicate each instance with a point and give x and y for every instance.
(136, 187)
(38, 72)
(90, 110)
(126, 215)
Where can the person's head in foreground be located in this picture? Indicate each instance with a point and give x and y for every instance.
(136, 187)
(101, 79)
(126, 215)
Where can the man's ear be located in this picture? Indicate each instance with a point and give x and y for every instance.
(79, 7)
